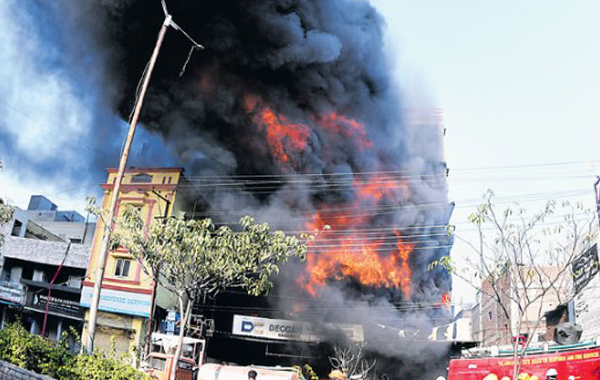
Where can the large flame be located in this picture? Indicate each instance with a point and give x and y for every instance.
(372, 259)
(286, 140)
(367, 262)
(380, 260)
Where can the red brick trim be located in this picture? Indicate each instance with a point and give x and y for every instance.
(152, 170)
(122, 288)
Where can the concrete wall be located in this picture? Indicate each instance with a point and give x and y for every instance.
(45, 252)
(497, 328)
(11, 372)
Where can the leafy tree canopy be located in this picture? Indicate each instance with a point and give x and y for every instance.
(199, 259)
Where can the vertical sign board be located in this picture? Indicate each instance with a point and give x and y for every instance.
(282, 329)
(586, 283)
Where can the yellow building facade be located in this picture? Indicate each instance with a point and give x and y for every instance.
(128, 293)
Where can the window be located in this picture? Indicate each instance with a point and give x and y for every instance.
(490, 315)
(74, 281)
(122, 268)
(141, 178)
(5, 276)
(16, 231)
(39, 275)
(157, 363)
(125, 205)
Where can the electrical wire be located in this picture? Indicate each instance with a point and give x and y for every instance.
(399, 172)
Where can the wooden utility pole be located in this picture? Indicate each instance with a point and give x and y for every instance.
(101, 264)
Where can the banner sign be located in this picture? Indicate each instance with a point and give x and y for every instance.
(118, 301)
(585, 267)
(56, 304)
(586, 282)
(12, 292)
(281, 329)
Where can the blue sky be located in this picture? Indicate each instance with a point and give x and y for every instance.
(519, 84)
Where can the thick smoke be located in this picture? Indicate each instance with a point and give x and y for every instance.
(301, 58)
(316, 69)
(302, 61)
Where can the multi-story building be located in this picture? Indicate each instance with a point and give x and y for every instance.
(499, 316)
(40, 278)
(68, 225)
(128, 293)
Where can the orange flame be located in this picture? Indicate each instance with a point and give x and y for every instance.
(376, 261)
(284, 138)
(360, 261)
(446, 300)
(287, 139)
(351, 129)
(380, 260)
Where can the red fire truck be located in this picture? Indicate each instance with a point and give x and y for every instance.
(576, 361)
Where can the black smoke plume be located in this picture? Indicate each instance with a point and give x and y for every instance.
(303, 61)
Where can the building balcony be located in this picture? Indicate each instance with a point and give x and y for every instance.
(46, 285)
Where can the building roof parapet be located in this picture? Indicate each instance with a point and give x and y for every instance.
(46, 252)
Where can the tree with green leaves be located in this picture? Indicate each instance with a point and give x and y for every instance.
(6, 212)
(521, 264)
(198, 260)
(54, 359)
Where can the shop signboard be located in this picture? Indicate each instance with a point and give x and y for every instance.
(12, 292)
(119, 301)
(281, 329)
(56, 304)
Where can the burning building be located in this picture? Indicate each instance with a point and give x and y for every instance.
(365, 280)
(291, 115)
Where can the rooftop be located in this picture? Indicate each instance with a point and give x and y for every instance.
(46, 252)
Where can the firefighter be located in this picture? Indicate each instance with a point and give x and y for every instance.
(534, 377)
(551, 374)
(336, 374)
(505, 378)
(491, 376)
(524, 376)
(252, 374)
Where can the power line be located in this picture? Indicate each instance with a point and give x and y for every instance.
(386, 209)
(384, 172)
